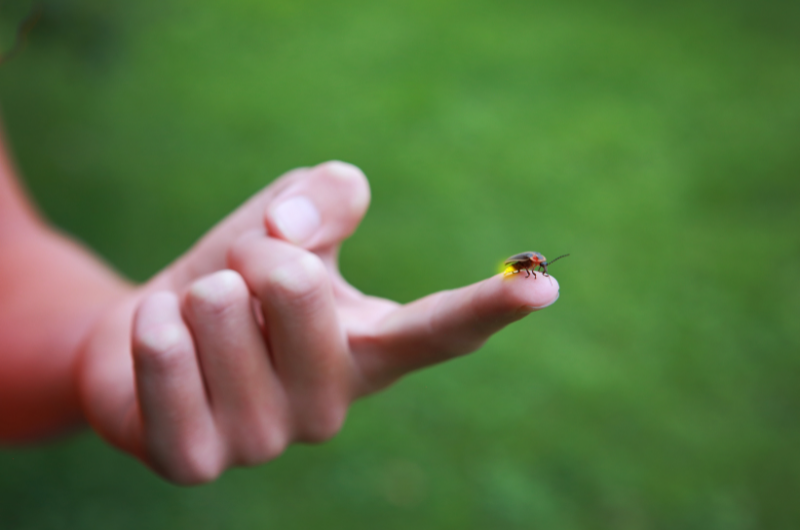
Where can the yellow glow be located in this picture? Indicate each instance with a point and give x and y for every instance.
(505, 269)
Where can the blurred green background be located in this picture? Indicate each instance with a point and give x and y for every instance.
(657, 142)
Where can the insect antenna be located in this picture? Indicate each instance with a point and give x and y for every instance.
(556, 259)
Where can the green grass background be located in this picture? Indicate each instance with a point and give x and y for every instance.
(657, 142)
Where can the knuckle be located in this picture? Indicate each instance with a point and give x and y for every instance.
(324, 424)
(195, 473)
(297, 280)
(193, 464)
(217, 293)
(164, 346)
(262, 445)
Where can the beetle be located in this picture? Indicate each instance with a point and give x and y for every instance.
(529, 262)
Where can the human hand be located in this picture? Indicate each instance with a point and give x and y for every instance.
(253, 340)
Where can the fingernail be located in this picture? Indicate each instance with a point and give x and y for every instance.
(297, 219)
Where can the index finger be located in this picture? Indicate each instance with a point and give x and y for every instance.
(450, 323)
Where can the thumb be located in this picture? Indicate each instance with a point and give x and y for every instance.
(314, 208)
(321, 210)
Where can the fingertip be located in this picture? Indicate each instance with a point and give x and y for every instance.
(342, 170)
(526, 294)
(354, 179)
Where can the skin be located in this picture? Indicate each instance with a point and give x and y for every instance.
(248, 342)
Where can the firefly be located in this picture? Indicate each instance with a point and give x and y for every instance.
(529, 262)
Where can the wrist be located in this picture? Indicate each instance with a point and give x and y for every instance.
(53, 293)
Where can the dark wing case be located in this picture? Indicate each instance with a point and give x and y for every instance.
(522, 256)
